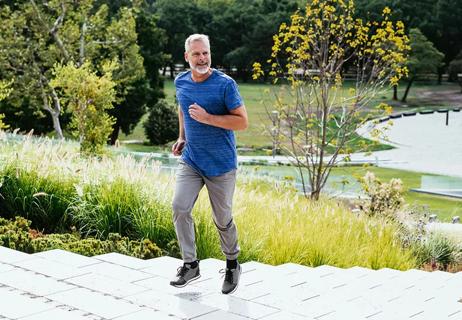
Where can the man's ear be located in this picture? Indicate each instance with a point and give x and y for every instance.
(186, 57)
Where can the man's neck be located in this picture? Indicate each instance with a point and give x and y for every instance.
(200, 77)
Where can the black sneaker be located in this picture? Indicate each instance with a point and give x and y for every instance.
(185, 275)
(231, 281)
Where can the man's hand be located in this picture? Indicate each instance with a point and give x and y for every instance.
(198, 113)
(178, 146)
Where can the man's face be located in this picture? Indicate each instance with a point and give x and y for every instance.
(199, 57)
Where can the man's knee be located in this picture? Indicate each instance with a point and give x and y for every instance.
(180, 209)
(224, 224)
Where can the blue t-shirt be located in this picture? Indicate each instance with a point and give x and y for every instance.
(210, 150)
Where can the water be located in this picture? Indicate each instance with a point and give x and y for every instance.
(338, 186)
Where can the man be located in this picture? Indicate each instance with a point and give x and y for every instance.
(210, 108)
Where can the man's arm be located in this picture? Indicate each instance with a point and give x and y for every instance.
(177, 148)
(236, 120)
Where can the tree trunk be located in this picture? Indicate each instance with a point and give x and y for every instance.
(409, 84)
(57, 125)
(114, 134)
(54, 112)
(440, 74)
(315, 194)
(164, 71)
(172, 70)
(395, 93)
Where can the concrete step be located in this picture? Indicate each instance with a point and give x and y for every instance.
(61, 285)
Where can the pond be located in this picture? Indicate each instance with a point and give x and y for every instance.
(337, 185)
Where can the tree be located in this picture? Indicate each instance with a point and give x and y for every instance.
(179, 19)
(448, 30)
(255, 24)
(162, 124)
(455, 68)
(88, 96)
(142, 94)
(39, 35)
(27, 57)
(424, 58)
(320, 116)
(4, 92)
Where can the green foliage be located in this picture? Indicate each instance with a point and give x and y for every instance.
(310, 54)
(272, 219)
(162, 123)
(4, 92)
(15, 234)
(384, 198)
(439, 252)
(42, 199)
(88, 96)
(84, 32)
(424, 57)
(104, 208)
(18, 235)
(455, 68)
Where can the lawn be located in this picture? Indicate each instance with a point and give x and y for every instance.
(444, 207)
(258, 97)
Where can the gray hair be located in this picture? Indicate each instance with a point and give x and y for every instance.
(196, 37)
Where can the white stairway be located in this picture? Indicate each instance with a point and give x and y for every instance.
(61, 285)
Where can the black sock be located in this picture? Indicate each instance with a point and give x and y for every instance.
(192, 265)
(231, 264)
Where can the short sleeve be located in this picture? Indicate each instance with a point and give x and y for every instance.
(232, 97)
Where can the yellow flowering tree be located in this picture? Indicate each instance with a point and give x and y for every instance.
(5, 91)
(312, 55)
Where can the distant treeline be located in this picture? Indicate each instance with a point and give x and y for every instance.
(145, 39)
(241, 30)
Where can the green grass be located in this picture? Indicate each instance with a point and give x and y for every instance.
(444, 207)
(120, 194)
(256, 97)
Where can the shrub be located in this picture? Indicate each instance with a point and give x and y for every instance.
(384, 198)
(162, 123)
(439, 252)
(18, 235)
(455, 68)
(15, 234)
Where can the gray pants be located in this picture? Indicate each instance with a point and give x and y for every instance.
(189, 183)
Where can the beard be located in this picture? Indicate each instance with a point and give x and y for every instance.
(200, 69)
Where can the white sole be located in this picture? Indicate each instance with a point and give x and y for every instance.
(187, 282)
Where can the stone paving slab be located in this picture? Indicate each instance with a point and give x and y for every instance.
(61, 285)
(50, 268)
(106, 285)
(6, 267)
(115, 271)
(122, 260)
(13, 302)
(147, 314)
(170, 304)
(32, 282)
(61, 313)
(67, 258)
(237, 306)
(104, 306)
(8, 255)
